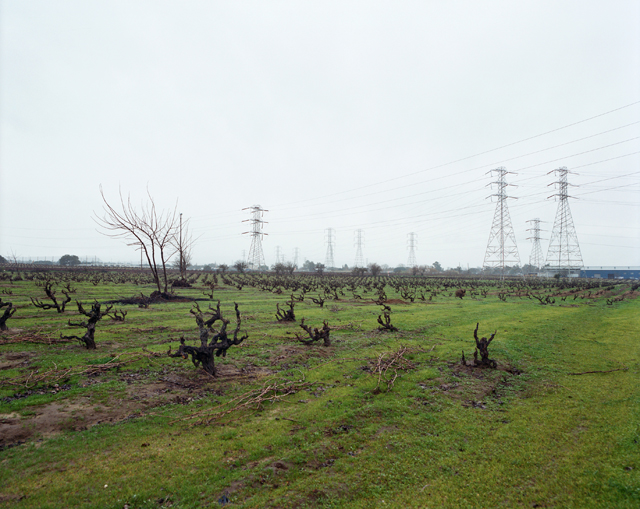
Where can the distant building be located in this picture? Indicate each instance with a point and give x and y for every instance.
(611, 272)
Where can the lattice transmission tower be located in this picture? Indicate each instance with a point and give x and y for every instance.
(412, 243)
(563, 255)
(330, 239)
(255, 260)
(535, 258)
(359, 240)
(296, 253)
(502, 249)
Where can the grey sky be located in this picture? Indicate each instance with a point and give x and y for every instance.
(339, 115)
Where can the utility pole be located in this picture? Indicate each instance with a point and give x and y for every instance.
(359, 239)
(181, 250)
(563, 255)
(330, 241)
(501, 247)
(255, 260)
(412, 244)
(535, 258)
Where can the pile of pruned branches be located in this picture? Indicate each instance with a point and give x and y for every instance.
(55, 374)
(270, 392)
(387, 366)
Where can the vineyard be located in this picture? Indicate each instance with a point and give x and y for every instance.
(264, 390)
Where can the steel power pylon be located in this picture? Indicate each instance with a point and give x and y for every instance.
(359, 238)
(412, 242)
(535, 258)
(255, 260)
(563, 255)
(296, 253)
(502, 249)
(330, 239)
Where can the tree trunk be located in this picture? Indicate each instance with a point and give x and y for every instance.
(8, 313)
(89, 337)
(208, 364)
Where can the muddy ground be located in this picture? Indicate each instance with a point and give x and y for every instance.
(142, 394)
(144, 391)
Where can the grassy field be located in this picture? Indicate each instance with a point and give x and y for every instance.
(378, 419)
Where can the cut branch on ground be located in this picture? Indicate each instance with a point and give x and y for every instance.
(55, 374)
(270, 392)
(387, 366)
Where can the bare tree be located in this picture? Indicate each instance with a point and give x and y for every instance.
(183, 243)
(153, 231)
(15, 265)
(241, 266)
(375, 269)
(278, 268)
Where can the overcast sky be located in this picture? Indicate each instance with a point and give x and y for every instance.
(380, 116)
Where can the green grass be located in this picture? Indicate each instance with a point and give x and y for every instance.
(440, 437)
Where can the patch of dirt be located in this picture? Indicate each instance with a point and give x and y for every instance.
(341, 429)
(317, 464)
(279, 467)
(10, 498)
(16, 359)
(140, 396)
(396, 301)
(386, 429)
(292, 355)
(19, 336)
(474, 385)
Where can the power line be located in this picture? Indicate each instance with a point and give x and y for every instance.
(474, 155)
